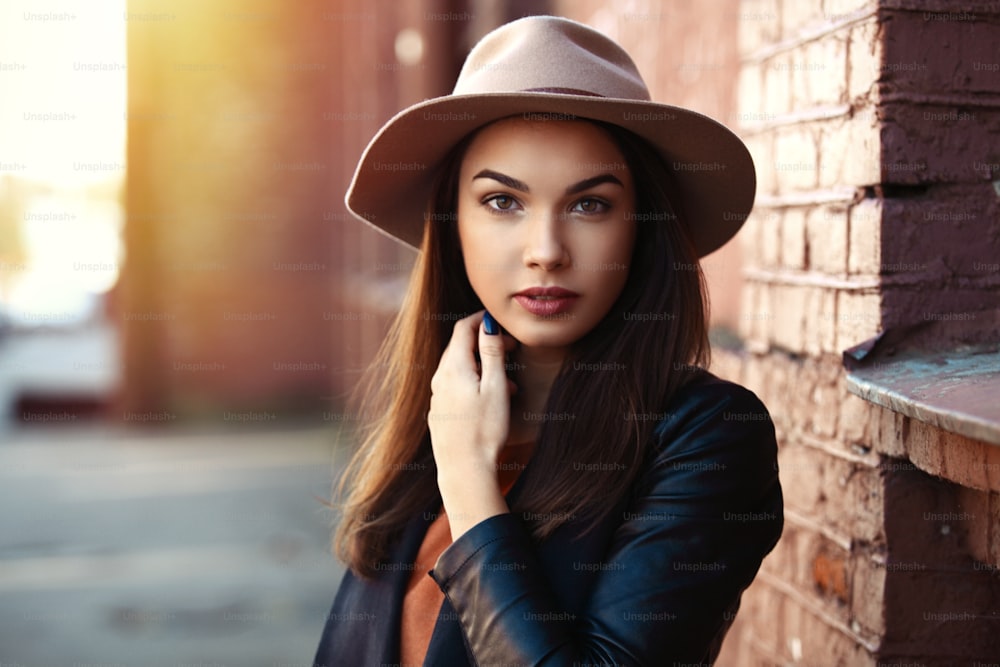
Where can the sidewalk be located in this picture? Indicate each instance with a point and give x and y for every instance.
(124, 548)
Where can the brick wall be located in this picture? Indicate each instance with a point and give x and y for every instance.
(871, 213)
(807, 99)
(874, 208)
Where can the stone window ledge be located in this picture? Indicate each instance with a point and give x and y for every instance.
(930, 374)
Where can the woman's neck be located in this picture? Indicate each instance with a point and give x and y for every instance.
(533, 371)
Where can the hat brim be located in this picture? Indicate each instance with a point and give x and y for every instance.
(711, 167)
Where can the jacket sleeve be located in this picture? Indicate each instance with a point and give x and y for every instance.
(708, 510)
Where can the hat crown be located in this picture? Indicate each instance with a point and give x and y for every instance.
(549, 65)
(550, 54)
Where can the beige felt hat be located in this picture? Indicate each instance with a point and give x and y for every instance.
(545, 67)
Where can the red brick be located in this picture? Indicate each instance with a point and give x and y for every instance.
(793, 625)
(819, 644)
(793, 238)
(888, 437)
(800, 470)
(819, 71)
(826, 232)
(827, 391)
(992, 466)
(759, 24)
(796, 161)
(777, 72)
(830, 575)
(849, 150)
(938, 144)
(964, 460)
(904, 305)
(749, 240)
(977, 504)
(942, 237)
(956, 64)
(787, 329)
(751, 328)
(797, 17)
(804, 378)
(752, 107)
(863, 508)
(804, 545)
(850, 499)
(769, 233)
(821, 325)
(867, 591)
(751, 633)
(769, 604)
(855, 421)
(923, 446)
(818, 302)
(837, 10)
(736, 648)
(858, 318)
(864, 61)
(864, 245)
(994, 533)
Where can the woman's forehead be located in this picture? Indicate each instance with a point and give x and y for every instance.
(520, 143)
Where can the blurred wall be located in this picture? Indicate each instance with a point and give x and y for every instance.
(246, 285)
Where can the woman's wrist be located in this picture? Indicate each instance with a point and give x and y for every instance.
(467, 479)
(469, 496)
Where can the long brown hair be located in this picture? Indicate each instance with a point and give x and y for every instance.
(652, 341)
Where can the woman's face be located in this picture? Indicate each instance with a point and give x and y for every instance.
(546, 220)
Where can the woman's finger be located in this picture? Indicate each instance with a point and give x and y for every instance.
(460, 353)
(492, 351)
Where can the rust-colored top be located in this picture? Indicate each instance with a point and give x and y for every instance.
(422, 602)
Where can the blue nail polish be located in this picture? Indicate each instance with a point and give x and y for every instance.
(490, 324)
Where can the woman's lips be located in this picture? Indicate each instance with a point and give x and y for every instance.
(546, 306)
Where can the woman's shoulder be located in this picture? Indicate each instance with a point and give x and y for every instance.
(708, 412)
(705, 392)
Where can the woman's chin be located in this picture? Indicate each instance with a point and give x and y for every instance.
(542, 335)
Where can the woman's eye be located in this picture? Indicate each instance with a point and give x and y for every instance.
(501, 203)
(590, 206)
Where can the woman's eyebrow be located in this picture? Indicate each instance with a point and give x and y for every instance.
(509, 181)
(512, 182)
(591, 182)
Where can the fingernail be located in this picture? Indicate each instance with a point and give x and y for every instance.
(490, 324)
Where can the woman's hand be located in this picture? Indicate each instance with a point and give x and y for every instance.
(469, 420)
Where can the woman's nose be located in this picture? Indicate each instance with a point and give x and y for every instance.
(543, 245)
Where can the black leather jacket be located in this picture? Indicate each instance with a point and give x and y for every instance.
(656, 582)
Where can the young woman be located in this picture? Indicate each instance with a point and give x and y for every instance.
(552, 478)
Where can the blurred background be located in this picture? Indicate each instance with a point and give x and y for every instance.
(185, 304)
(185, 307)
